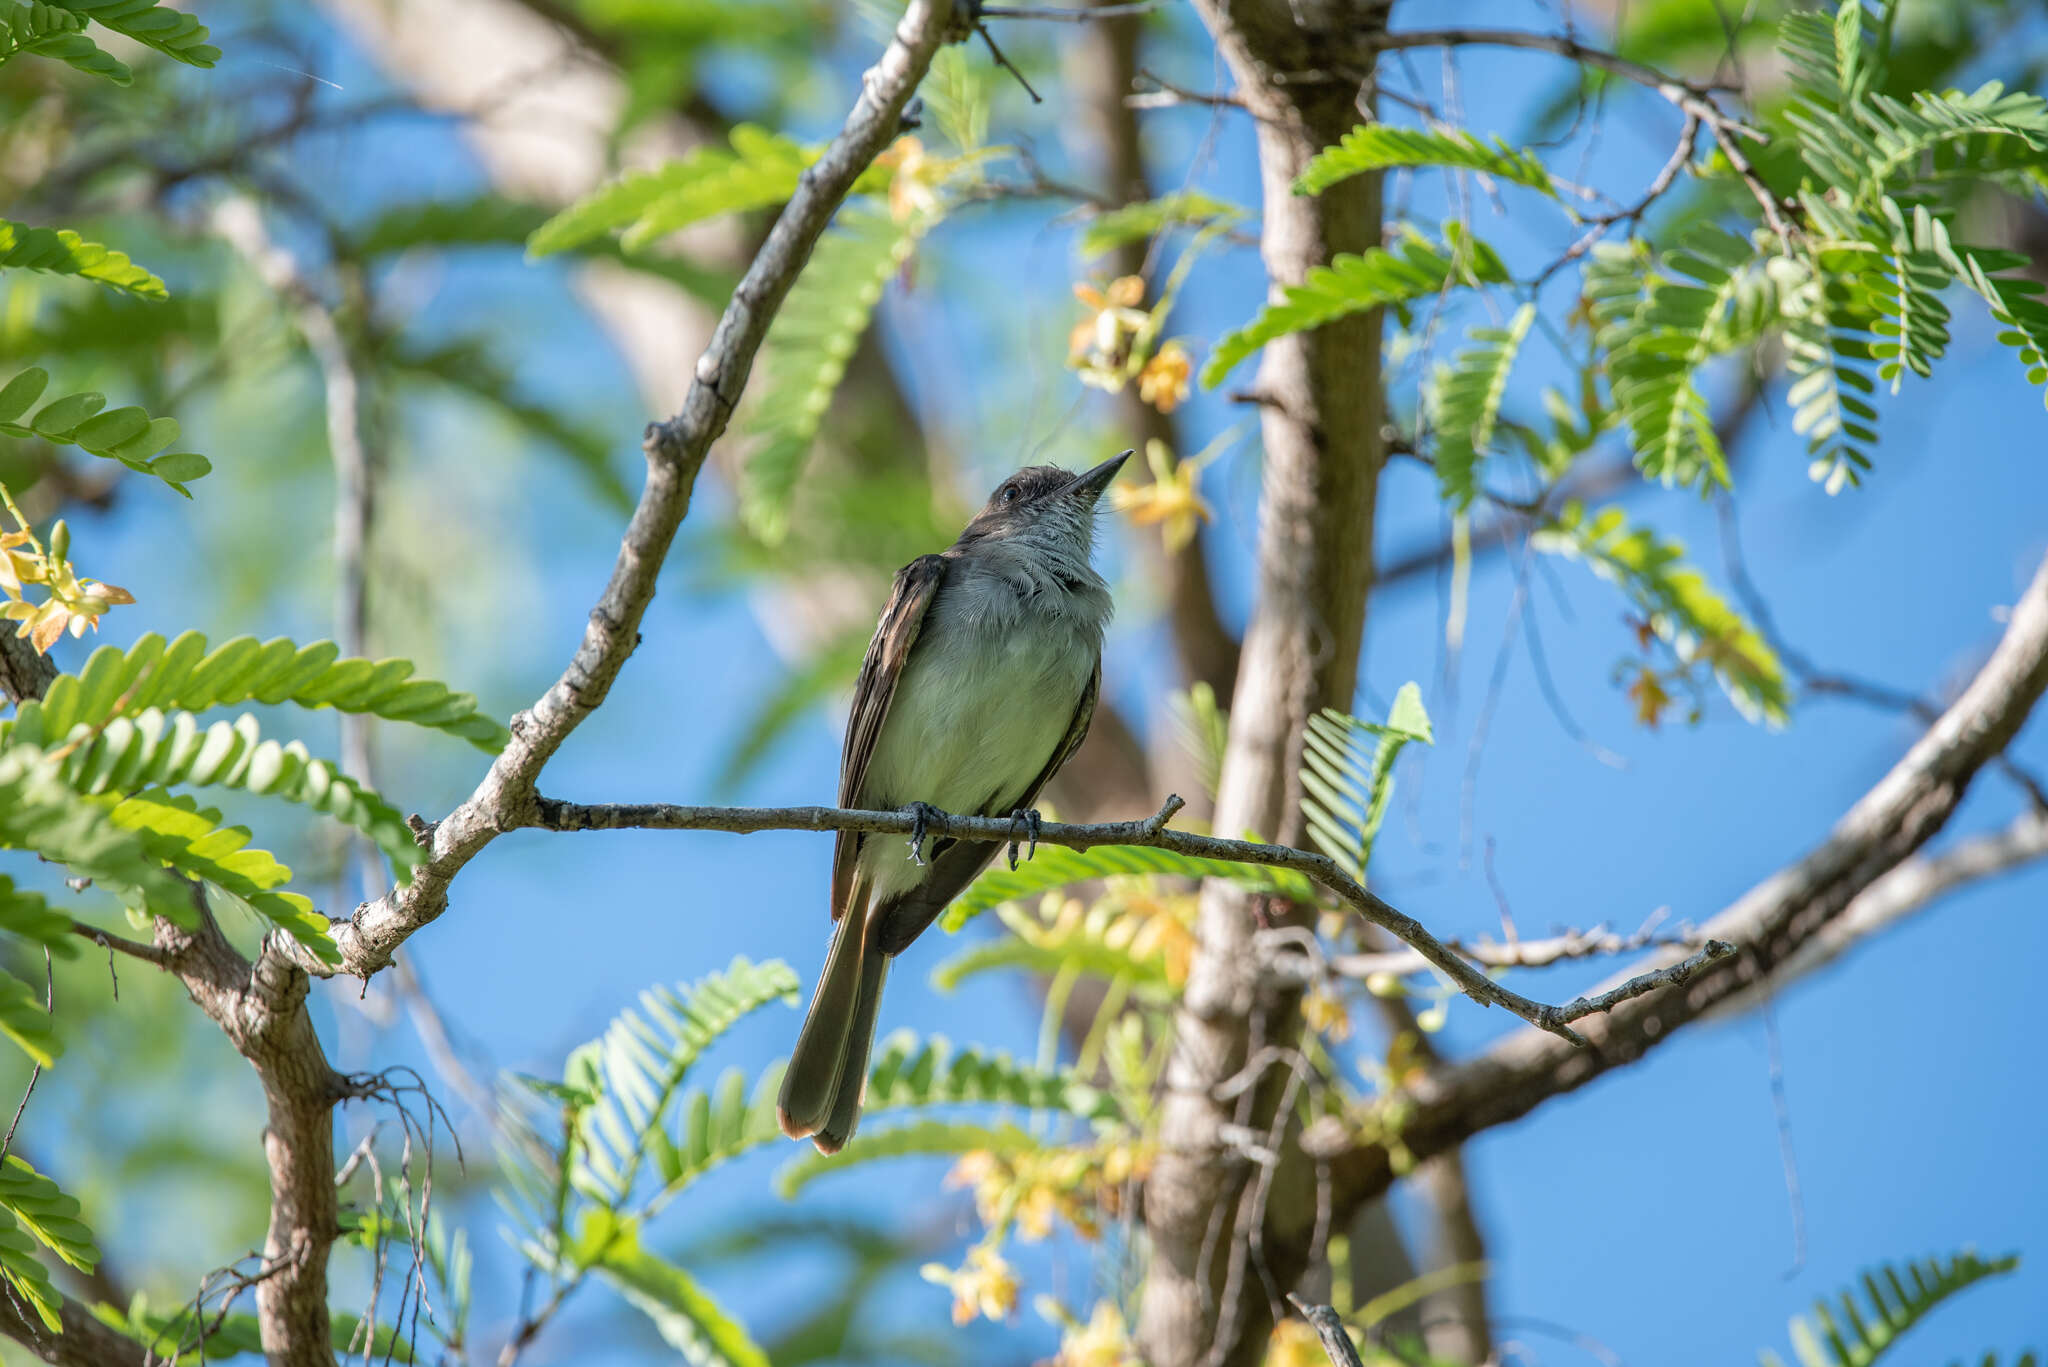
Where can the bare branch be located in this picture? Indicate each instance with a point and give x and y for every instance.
(84, 1342)
(1910, 888)
(1329, 1327)
(1770, 925)
(1152, 832)
(675, 452)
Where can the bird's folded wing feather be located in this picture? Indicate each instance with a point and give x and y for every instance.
(902, 619)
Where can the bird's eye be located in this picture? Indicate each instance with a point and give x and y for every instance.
(1008, 493)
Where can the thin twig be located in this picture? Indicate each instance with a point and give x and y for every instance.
(548, 814)
(1677, 975)
(50, 1005)
(1329, 1327)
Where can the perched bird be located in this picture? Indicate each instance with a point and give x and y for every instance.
(978, 685)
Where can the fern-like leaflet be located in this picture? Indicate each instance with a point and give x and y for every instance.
(1417, 269)
(1113, 228)
(1056, 866)
(1657, 333)
(1346, 786)
(808, 346)
(60, 251)
(128, 435)
(153, 749)
(760, 170)
(1675, 600)
(1378, 146)
(183, 675)
(30, 28)
(1846, 1334)
(1467, 398)
(175, 34)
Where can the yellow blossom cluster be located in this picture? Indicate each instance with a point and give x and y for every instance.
(1173, 499)
(71, 602)
(1033, 1188)
(1105, 1341)
(984, 1285)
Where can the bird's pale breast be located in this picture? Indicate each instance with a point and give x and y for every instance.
(983, 702)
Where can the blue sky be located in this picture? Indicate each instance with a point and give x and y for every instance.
(1648, 1212)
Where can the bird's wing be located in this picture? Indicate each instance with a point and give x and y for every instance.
(902, 619)
(955, 864)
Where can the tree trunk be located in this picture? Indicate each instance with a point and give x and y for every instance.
(1231, 1205)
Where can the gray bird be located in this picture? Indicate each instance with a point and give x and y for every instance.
(978, 685)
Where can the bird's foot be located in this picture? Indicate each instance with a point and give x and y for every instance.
(1024, 824)
(920, 814)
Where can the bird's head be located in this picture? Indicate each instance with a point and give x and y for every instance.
(1046, 505)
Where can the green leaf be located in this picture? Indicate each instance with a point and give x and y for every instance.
(641, 1063)
(918, 1138)
(182, 1338)
(24, 1271)
(63, 252)
(761, 170)
(185, 676)
(47, 1213)
(39, 30)
(1377, 146)
(24, 1020)
(1353, 284)
(493, 221)
(39, 812)
(28, 915)
(912, 1071)
(808, 346)
(1659, 323)
(1699, 625)
(174, 829)
(128, 435)
(1113, 228)
(1467, 399)
(689, 1320)
(153, 749)
(1105, 940)
(1345, 793)
(1846, 1334)
(1055, 866)
(176, 35)
(1203, 729)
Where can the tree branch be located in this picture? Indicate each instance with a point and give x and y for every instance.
(675, 452)
(1768, 926)
(85, 1341)
(1151, 832)
(1229, 1236)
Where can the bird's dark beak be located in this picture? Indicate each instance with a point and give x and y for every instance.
(1089, 485)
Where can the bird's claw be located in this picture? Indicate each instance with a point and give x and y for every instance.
(1028, 819)
(920, 814)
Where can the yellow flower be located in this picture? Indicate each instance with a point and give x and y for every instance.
(990, 1179)
(1163, 382)
(1100, 344)
(912, 189)
(1173, 498)
(1326, 1014)
(74, 603)
(1105, 1341)
(986, 1286)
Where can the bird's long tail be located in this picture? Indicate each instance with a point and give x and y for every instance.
(821, 1091)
